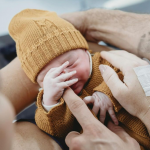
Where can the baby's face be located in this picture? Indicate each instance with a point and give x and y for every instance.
(78, 60)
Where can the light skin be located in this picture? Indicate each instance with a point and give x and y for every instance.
(136, 104)
(6, 128)
(22, 95)
(128, 31)
(72, 69)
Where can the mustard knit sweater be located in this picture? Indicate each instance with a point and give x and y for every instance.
(59, 121)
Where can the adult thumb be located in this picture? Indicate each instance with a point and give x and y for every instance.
(118, 130)
(111, 79)
(70, 137)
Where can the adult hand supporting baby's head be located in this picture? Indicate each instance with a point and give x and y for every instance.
(94, 132)
(130, 93)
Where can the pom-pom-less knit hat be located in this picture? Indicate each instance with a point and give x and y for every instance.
(40, 37)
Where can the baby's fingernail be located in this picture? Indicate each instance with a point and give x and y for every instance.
(67, 62)
(74, 71)
(76, 79)
(102, 68)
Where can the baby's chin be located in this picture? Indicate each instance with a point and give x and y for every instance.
(77, 90)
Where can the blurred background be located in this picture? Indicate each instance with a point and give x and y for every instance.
(8, 8)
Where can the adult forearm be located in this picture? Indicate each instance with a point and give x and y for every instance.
(127, 31)
(16, 86)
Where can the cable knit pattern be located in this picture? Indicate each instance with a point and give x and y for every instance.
(59, 121)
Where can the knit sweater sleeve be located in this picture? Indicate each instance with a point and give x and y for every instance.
(105, 89)
(58, 122)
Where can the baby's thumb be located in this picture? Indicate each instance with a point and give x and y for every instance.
(111, 79)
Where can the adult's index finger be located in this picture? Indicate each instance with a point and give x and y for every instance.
(116, 60)
(78, 108)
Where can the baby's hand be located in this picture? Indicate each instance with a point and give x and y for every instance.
(102, 103)
(55, 82)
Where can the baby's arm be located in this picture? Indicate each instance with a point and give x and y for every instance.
(101, 103)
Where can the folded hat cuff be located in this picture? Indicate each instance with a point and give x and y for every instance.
(48, 48)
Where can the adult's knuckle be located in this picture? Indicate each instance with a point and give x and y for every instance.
(135, 64)
(75, 105)
(110, 78)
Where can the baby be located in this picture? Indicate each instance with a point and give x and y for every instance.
(54, 54)
(72, 69)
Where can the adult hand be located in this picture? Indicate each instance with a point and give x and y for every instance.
(108, 26)
(130, 93)
(95, 135)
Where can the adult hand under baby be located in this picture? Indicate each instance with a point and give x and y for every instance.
(130, 93)
(95, 135)
(101, 104)
(55, 82)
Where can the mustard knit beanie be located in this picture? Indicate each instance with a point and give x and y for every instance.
(40, 37)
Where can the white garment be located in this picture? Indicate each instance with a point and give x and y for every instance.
(143, 75)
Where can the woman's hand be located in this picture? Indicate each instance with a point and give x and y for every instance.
(95, 135)
(130, 93)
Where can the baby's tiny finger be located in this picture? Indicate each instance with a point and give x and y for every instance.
(95, 109)
(102, 115)
(59, 69)
(65, 76)
(88, 99)
(68, 83)
(113, 116)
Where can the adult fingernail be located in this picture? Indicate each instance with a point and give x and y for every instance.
(102, 68)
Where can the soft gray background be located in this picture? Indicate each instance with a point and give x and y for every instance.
(8, 8)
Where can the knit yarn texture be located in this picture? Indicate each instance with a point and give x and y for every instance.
(59, 121)
(40, 37)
